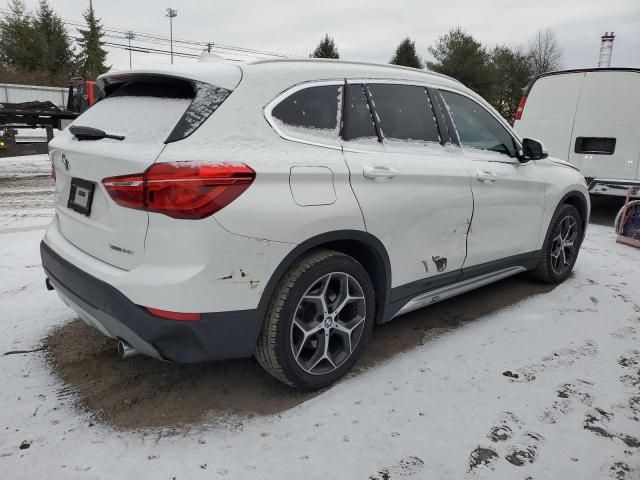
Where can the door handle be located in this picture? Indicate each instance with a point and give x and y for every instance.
(486, 176)
(379, 173)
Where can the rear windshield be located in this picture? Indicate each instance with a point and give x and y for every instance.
(164, 89)
(139, 118)
(155, 108)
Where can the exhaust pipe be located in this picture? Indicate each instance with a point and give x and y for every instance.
(125, 350)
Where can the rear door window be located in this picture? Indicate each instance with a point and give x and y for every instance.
(358, 121)
(476, 127)
(404, 112)
(312, 113)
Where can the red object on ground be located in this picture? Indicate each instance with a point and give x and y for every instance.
(625, 233)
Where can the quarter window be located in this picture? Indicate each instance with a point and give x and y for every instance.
(476, 127)
(312, 113)
(404, 112)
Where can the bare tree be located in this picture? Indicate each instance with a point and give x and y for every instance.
(545, 53)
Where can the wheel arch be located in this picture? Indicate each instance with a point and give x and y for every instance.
(578, 200)
(362, 246)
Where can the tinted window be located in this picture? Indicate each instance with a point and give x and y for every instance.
(313, 111)
(165, 88)
(358, 122)
(476, 127)
(595, 145)
(404, 112)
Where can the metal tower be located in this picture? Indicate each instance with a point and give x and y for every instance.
(606, 48)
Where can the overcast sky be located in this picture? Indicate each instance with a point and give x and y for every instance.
(369, 30)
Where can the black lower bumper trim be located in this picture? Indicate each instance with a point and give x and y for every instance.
(217, 336)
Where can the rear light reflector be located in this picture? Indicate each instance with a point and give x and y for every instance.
(520, 108)
(189, 190)
(173, 315)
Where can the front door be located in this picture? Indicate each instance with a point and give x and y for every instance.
(508, 195)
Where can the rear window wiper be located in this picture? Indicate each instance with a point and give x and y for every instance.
(89, 133)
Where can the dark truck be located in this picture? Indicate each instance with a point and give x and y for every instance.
(42, 114)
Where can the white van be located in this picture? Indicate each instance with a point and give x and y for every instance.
(591, 118)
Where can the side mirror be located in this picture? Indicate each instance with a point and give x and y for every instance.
(533, 149)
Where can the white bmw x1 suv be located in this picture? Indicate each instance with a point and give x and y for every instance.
(283, 208)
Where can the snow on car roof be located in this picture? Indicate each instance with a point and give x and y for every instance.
(222, 74)
(228, 74)
(354, 69)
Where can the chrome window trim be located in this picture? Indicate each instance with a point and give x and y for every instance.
(341, 144)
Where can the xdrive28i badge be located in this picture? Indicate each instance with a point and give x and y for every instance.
(65, 162)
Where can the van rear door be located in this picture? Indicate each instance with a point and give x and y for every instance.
(549, 112)
(606, 136)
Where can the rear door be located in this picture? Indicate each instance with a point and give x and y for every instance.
(145, 111)
(606, 135)
(414, 193)
(508, 195)
(549, 112)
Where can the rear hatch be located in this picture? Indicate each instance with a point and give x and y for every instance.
(549, 112)
(606, 132)
(148, 110)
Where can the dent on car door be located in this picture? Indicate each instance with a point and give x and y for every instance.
(508, 195)
(414, 194)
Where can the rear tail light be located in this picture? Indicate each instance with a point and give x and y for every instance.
(173, 315)
(520, 108)
(190, 190)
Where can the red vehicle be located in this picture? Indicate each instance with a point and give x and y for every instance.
(82, 94)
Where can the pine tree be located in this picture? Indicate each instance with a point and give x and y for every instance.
(20, 49)
(57, 56)
(462, 57)
(511, 75)
(406, 55)
(326, 49)
(91, 58)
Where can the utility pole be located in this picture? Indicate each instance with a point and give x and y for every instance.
(171, 13)
(129, 36)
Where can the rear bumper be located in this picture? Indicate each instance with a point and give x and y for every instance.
(612, 187)
(216, 336)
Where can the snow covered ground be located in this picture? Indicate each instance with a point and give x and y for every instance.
(545, 388)
(26, 193)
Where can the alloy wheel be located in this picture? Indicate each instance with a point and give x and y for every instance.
(328, 323)
(564, 244)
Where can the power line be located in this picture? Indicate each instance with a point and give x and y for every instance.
(124, 46)
(186, 44)
(140, 48)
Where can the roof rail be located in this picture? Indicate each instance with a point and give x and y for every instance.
(351, 62)
(581, 70)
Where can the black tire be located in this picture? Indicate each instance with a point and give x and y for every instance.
(547, 270)
(275, 349)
